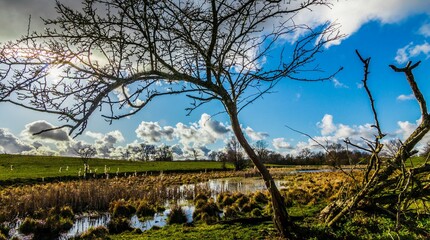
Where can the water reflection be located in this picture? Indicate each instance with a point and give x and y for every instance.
(215, 186)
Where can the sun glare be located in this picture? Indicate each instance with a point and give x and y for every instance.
(55, 74)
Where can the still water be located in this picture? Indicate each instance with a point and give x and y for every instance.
(215, 186)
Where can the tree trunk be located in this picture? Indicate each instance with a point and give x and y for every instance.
(281, 218)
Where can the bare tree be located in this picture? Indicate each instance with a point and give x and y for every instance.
(195, 154)
(261, 150)
(164, 153)
(390, 185)
(213, 155)
(145, 151)
(86, 152)
(115, 54)
(235, 154)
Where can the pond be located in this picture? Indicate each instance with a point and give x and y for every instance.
(215, 186)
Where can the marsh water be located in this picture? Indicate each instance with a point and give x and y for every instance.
(215, 186)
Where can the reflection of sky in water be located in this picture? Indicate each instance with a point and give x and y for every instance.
(82, 224)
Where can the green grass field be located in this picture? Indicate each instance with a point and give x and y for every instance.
(37, 167)
(15, 167)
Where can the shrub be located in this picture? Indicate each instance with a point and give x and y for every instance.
(242, 201)
(67, 212)
(159, 208)
(122, 208)
(205, 217)
(260, 197)
(97, 233)
(28, 226)
(237, 195)
(249, 206)
(48, 229)
(230, 212)
(200, 203)
(119, 225)
(225, 199)
(208, 212)
(177, 215)
(145, 210)
(200, 196)
(2, 237)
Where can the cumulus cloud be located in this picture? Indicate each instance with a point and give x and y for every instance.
(153, 132)
(255, 136)
(40, 125)
(105, 143)
(187, 134)
(326, 125)
(404, 97)
(406, 128)
(411, 50)
(281, 144)
(216, 128)
(352, 14)
(332, 132)
(192, 135)
(9, 143)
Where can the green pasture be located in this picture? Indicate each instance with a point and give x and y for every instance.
(37, 167)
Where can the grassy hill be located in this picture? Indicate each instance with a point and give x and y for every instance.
(38, 167)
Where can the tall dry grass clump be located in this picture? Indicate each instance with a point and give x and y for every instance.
(98, 194)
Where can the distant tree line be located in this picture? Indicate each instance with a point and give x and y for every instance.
(334, 155)
(147, 152)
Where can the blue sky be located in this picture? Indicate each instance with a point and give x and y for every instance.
(391, 32)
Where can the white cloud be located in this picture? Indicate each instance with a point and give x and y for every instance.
(332, 132)
(196, 134)
(205, 131)
(409, 51)
(403, 97)
(40, 125)
(337, 132)
(326, 125)
(352, 14)
(9, 143)
(406, 128)
(215, 128)
(425, 30)
(280, 144)
(338, 84)
(152, 132)
(105, 143)
(255, 136)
